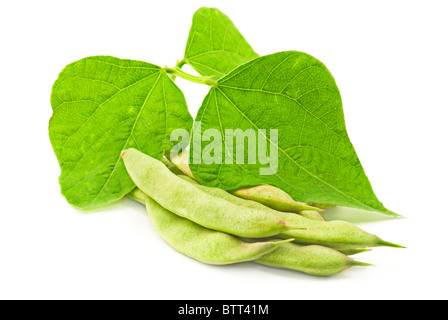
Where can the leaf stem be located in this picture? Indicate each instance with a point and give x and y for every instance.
(181, 63)
(181, 74)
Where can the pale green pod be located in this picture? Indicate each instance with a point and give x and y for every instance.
(193, 181)
(184, 199)
(171, 166)
(202, 244)
(180, 161)
(217, 192)
(335, 234)
(270, 196)
(313, 259)
(137, 195)
(230, 197)
(311, 214)
(274, 198)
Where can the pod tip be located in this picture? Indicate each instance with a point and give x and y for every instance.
(351, 252)
(361, 264)
(363, 250)
(390, 244)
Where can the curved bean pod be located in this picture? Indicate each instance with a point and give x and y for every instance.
(311, 214)
(335, 234)
(186, 236)
(274, 198)
(171, 166)
(138, 196)
(180, 161)
(202, 244)
(268, 195)
(185, 200)
(313, 259)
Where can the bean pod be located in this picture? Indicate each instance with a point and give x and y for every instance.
(268, 195)
(202, 244)
(335, 234)
(184, 199)
(313, 259)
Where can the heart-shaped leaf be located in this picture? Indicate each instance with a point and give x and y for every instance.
(215, 46)
(102, 105)
(294, 93)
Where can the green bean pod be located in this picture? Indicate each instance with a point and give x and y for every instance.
(232, 198)
(184, 199)
(186, 237)
(311, 214)
(180, 161)
(202, 244)
(171, 166)
(335, 234)
(274, 198)
(138, 196)
(268, 195)
(313, 259)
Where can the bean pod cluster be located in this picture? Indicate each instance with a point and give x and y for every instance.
(260, 224)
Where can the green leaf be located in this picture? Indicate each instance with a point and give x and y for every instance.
(102, 105)
(294, 93)
(215, 46)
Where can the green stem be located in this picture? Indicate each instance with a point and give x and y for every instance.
(181, 74)
(181, 63)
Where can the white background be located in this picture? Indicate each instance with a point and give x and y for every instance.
(390, 61)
